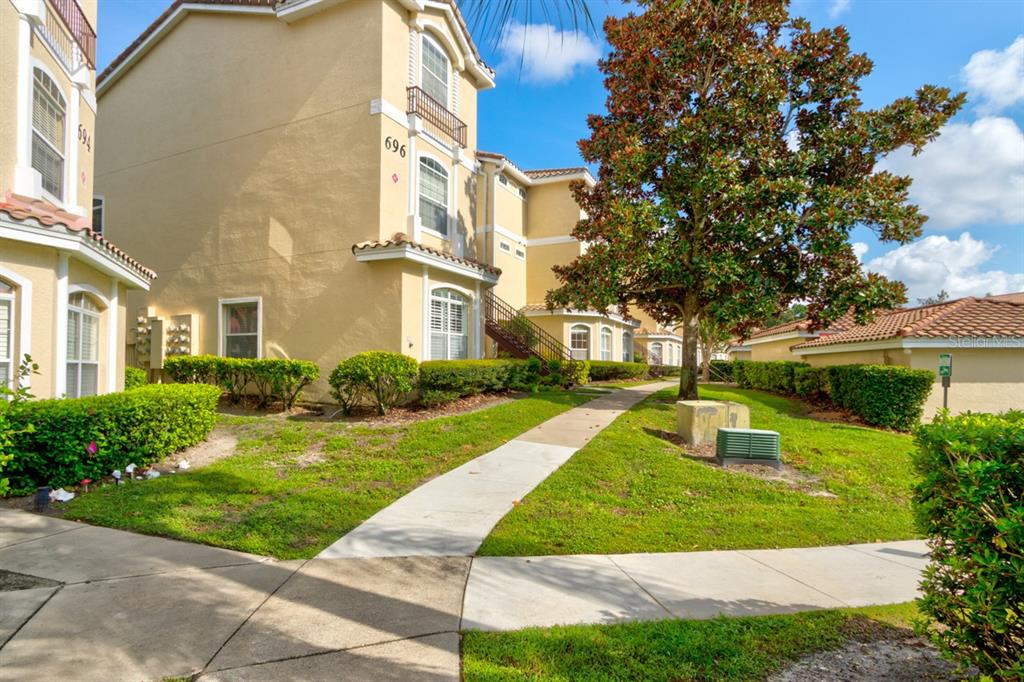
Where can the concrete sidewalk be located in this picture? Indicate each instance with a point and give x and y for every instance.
(453, 513)
(510, 593)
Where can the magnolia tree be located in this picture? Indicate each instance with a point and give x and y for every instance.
(735, 158)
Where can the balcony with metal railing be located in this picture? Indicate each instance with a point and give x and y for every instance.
(438, 120)
(68, 33)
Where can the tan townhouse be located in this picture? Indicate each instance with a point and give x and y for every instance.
(304, 177)
(63, 286)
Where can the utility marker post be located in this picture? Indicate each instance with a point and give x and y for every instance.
(946, 372)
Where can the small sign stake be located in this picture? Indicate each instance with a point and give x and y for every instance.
(946, 373)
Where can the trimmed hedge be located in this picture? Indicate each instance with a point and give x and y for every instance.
(268, 379)
(444, 380)
(881, 395)
(134, 377)
(971, 505)
(52, 443)
(609, 370)
(6, 441)
(567, 375)
(721, 370)
(382, 377)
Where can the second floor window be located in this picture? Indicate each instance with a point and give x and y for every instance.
(433, 195)
(48, 116)
(434, 71)
(97, 215)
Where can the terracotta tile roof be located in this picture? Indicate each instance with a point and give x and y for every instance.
(844, 322)
(149, 30)
(400, 239)
(555, 172)
(45, 214)
(994, 316)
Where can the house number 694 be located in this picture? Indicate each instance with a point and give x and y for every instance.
(84, 137)
(393, 145)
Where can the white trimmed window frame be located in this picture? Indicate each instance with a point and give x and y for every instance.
(425, 157)
(427, 72)
(657, 353)
(99, 203)
(627, 346)
(579, 341)
(66, 176)
(222, 333)
(80, 313)
(21, 316)
(8, 300)
(606, 335)
(445, 301)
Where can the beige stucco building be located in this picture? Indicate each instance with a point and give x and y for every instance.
(305, 180)
(62, 286)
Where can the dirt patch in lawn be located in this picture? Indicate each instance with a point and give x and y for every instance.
(218, 445)
(405, 414)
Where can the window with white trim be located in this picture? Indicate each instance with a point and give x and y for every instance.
(449, 339)
(656, 350)
(627, 347)
(579, 341)
(434, 71)
(606, 343)
(49, 112)
(505, 246)
(83, 357)
(520, 254)
(240, 322)
(97, 214)
(433, 195)
(6, 333)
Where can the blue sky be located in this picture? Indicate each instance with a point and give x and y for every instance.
(971, 181)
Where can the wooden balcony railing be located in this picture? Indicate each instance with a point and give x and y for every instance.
(436, 116)
(79, 28)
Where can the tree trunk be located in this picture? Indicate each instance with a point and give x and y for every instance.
(691, 337)
(705, 361)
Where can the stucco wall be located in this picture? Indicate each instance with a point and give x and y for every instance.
(551, 210)
(887, 356)
(8, 85)
(540, 260)
(770, 351)
(984, 379)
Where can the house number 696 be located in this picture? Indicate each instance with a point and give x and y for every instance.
(393, 145)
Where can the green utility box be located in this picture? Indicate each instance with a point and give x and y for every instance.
(748, 446)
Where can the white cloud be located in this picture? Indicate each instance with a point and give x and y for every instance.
(936, 262)
(545, 54)
(859, 249)
(995, 79)
(838, 7)
(973, 173)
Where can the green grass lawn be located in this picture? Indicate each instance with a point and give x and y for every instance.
(293, 487)
(632, 490)
(673, 650)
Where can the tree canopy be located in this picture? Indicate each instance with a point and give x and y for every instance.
(735, 157)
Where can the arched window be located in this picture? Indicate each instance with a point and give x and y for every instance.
(656, 353)
(448, 337)
(6, 333)
(606, 343)
(433, 195)
(83, 367)
(434, 70)
(627, 347)
(579, 341)
(48, 115)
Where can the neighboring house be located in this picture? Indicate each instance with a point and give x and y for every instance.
(774, 343)
(305, 179)
(985, 336)
(62, 285)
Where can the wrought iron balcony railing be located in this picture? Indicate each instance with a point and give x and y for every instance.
(436, 116)
(77, 26)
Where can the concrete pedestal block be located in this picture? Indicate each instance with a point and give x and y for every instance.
(698, 421)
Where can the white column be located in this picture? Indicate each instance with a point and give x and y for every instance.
(71, 144)
(113, 332)
(23, 179)
(425, 343)
(477, 326)
(414, 204)
(60, 383)
(454, 234)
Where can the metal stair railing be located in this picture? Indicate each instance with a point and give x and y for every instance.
(516, 329)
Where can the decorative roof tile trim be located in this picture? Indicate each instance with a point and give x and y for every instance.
(401, 240)
(555, 172)
(23, 209)
(994, 316)
(842, 324)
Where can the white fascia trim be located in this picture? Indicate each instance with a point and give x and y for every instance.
(911, 342)
(738, 349)
(504, 232)
(668, 337)
(165, 27)
(484, 76)
(72, 243)
(382, 106)
(549, 241)
(884, 344)
(782, 337)
(414, 255)
(582, 313)
(519, 176)
(585, 176)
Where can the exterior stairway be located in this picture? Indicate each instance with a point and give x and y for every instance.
(516, 335)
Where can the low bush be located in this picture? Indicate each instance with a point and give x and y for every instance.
(609, 370)
(134, 377)
(777, 377)
(881, 395)
(721, 370)
(383, 378)
(970, 503)
(268, 379)
(811, 383)
(61, 442)
(459, 378)
(6, 441)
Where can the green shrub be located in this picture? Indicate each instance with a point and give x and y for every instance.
(53, 439)
(881, 395)
(268, 379)
(385, 378)
(721, 370)
(6, 441)
(609, 370)
(134, 377)
(432, 398)
(777, 377)
(460, 378)
(811, 383)
(970, 503)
